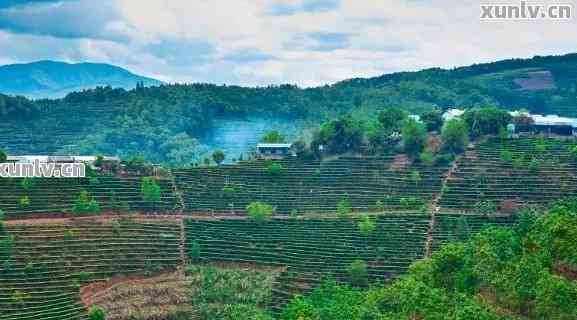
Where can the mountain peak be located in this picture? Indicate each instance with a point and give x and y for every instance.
(54, 79)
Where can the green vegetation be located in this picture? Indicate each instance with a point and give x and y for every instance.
(259, 211)
(275, 169)
(85, 204)
(455, 136)
(3, 156)
(273, 137)
(414, 137)
(525, 272)
(163, 123)
(218, 156)
(222, 294)
(96, 313)
(150, 191)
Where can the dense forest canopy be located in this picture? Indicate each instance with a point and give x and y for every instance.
(154, 121)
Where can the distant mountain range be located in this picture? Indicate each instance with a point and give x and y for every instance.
(53, 79)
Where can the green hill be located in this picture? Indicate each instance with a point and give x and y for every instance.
(165, 123)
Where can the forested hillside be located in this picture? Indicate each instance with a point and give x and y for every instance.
(164, 123)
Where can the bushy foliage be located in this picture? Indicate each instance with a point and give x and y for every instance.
(260, 211)
(455, 136)
(358, 273)
(150, 190)
(366, 225)
(273, 137)
(483, 121)
(414, 137)
(3, 156)
(338, 136)
(275, 169)
(96, 313)
(85, 204)
(218, 156)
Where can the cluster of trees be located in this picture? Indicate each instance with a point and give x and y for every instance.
(527, 271)
(394, 130)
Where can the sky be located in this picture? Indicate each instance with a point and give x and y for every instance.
(263, 42)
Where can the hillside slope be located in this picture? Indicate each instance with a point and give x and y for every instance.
(164, 123)
(52, 79)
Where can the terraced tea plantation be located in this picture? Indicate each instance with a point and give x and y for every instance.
(452, 227)
(310, 186)
(57, 195)
(310, 249)
(522, 171)
(47, 263)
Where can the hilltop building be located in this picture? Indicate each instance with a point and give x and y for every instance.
(273, 150)
(531, 123)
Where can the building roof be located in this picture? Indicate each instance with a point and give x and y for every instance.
(452, 113)
(553, 120)
(274, 145)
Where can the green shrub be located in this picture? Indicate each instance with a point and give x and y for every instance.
(366, 226)
(506, 156)
(228, 191)
(444, 159)
(24, 202)
(68, 235)
(27, 183)
(380, 205)
(85, 204)
(96, 313)
(427, 158)
(343, 208)
(260, 211)
(358, 274)
(275, 169)
(195, 251)
(294, 214)
(150, 191)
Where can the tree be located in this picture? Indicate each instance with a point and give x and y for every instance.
(24, 202)
(483, 121)
(218, 156)
(150, 191)
(366, 226)
(96, 313)
(341, 135)
(3, 156)
(273, 137)
(433, 119)
(391, 119)
(414, 137)
(260, 211)
(455, 136)
(357, 272)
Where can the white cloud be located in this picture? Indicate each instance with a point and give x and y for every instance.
(311, 42)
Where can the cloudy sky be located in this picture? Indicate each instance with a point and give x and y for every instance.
(259, 42)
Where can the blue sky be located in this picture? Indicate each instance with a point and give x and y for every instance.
(260, 42)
